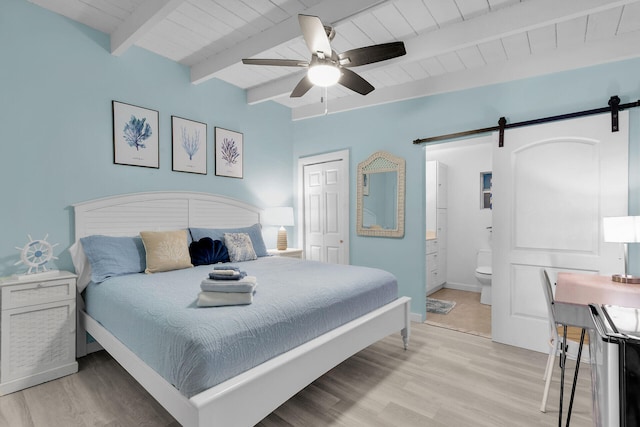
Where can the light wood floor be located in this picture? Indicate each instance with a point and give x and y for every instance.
(446, 378)
(468, 315)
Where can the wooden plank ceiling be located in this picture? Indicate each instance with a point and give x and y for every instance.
(451, 44)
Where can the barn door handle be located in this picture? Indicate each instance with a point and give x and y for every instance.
(614, 103)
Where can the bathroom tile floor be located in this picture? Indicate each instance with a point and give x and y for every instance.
(468, 315)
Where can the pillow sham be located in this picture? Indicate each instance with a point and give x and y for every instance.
(208, 251)
(111, 256)
(239, 246)
(254, 232)
(81, 265)
(166, 250)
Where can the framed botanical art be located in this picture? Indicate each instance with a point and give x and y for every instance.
(135, 136)
(189, 145)
(229, 154)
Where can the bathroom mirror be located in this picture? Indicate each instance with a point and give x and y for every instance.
(380, 203)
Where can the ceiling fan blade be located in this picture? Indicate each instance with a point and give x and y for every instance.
(277, 62)
(301, 88)
(353, 81)
(315, 35)
(371, 54)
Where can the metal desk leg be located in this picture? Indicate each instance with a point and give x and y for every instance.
(575, 377)
(563, 360)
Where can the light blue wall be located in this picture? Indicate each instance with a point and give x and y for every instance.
(57, 81)
(393, 127)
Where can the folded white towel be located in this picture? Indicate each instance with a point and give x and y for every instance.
(210, 285)
(227, 272)
(246, 280)
(218, 299)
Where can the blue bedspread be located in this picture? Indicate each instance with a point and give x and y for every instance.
(196, 348)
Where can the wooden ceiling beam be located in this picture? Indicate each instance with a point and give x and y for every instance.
(143, 19)
(274, 89)
(516, 19)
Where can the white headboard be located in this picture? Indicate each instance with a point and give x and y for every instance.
(128, 214)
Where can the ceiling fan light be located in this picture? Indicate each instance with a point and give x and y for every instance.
(323, 75)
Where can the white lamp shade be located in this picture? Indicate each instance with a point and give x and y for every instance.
(622, 229)
(281, 216)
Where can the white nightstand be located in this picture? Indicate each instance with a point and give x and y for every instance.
(289, 252)
(37, 330)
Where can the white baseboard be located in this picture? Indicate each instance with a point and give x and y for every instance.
(416, 317)
(434, 290)
(463, 287)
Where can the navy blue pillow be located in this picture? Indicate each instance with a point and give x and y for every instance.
(208, 251)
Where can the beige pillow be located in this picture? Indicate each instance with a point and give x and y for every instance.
(166, 250)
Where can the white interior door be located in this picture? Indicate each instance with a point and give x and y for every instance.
(326, 212)
(552, 185)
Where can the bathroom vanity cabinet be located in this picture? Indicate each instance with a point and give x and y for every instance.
(436, 238)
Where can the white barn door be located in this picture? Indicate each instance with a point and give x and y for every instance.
(552, 185)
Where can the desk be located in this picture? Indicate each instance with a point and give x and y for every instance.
(574, 292)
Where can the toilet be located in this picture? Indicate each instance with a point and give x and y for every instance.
(483, 275)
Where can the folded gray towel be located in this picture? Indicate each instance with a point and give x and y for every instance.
(219, 299)
(243, 285)
(215, 276)
(227, 267)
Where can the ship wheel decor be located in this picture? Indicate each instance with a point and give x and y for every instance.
(36, 254)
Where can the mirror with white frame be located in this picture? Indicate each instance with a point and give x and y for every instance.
(380, 203)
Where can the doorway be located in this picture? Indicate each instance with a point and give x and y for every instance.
(323, 197)
(458, 226)
(552, 185)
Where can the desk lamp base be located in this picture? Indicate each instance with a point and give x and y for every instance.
(622, 278)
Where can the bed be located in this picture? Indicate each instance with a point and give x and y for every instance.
(245, 396)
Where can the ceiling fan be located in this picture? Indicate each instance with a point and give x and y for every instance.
(327, 67)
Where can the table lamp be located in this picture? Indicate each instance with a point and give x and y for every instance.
(282, 216)
(625, 230)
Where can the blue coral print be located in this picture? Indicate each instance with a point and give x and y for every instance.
(190, 144)
(136, 131)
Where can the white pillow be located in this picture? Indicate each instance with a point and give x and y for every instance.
(81, 265)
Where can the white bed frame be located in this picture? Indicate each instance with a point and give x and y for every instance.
(246, 399)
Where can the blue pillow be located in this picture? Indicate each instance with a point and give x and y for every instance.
(113, 256)
(254, 232)
(207, 251)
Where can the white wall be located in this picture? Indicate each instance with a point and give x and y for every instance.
(467, 223)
